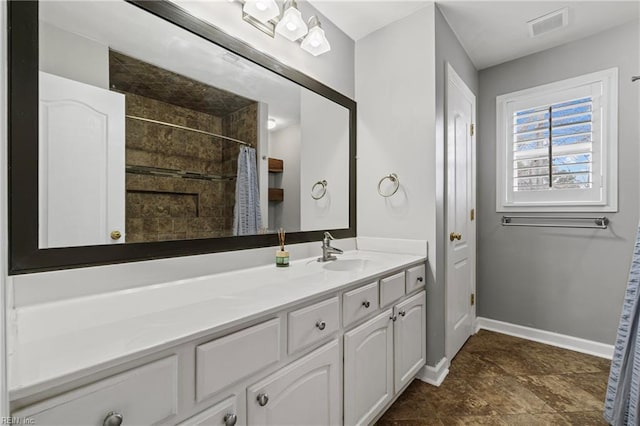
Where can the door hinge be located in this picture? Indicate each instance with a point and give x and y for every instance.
(473, 129)
(473, 214)
(473, 299)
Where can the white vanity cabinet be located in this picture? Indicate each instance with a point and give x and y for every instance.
(306, 392)
(368, 369)
(339, 357)
(381, 357)
(410, 339)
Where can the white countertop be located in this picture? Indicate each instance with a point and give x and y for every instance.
(64, 340)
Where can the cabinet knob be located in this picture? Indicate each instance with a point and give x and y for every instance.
(393, 317)
(402, 313)
(115, 235)
(366, 304)
(321, 325)
(112, 419)
(230, 419)
(420, 279)
(262, 398)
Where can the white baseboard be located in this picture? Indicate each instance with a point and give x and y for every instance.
(548, 337)
(434, 375)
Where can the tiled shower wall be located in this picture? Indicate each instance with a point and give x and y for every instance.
(170, 208)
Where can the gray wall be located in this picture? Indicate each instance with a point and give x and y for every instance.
(285, 145)
(448, 50)
(569, 281)
(71, 56)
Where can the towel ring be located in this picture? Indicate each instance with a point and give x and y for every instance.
(323, 184)
(393, 178)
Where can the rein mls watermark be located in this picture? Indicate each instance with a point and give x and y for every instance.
(17, 421)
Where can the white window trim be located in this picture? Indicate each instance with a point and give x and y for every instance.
(609, 202)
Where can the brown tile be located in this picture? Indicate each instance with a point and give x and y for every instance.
(561, 361)
(165, 225)
(593, 383)
(489, 341)
(134, 226)
(507, 395)
(593, 418)
(501, 380)
(475, 420)
(410, 422)
(456, 398)
(537, 419)
(471, 364)
(561, 394)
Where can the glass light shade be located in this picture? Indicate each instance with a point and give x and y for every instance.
(316, 42)
(271, 124)
(262, 10)
(291, 24)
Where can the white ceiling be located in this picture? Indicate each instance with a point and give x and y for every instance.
(358, 18)
(493, 32)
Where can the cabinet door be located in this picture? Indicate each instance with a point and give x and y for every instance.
(306, 392)
(368, 369)
(410, 339)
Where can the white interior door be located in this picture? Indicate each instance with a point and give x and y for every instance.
(81, 164)
(461, 234)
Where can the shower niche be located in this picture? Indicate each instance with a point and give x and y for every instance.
(182, 140)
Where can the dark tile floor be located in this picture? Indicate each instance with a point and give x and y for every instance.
(502, 380)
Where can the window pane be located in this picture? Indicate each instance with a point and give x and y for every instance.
(571, 140)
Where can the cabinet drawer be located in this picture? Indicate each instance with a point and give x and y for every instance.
(226, 412)
(391, 289)
(415, 278)
(143, 396)
(224, 361)
(313, 324)
(359, 303)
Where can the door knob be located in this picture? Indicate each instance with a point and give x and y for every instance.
(115, 235)
(455, 236)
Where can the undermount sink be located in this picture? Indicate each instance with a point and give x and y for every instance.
(346, 265)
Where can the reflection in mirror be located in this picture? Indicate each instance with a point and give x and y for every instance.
(151, 133)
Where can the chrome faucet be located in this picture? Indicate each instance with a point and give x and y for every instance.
(327, 250)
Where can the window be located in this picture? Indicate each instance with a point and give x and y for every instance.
(557, 146)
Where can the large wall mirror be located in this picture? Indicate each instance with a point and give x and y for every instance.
(139, 131)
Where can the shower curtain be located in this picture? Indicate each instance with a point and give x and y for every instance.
(623, 401)
(247, 219)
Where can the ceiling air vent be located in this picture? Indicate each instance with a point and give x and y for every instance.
(549, 22)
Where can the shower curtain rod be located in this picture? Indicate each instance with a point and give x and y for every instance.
(177, 126)
(600, 222)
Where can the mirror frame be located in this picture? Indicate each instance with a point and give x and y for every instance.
(25, 256)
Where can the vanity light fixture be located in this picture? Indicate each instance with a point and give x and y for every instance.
(291, 25)
(315, 42)
(262, 10)
(271, 124)
(265, 16)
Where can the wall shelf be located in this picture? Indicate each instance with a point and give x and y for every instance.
(276, 165)
(276, 194)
